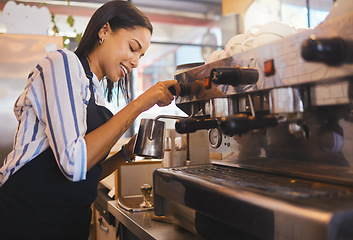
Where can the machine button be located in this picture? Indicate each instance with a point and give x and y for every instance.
(207, 83)
(269, 68)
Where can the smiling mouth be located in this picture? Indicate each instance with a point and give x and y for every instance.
(124, 69)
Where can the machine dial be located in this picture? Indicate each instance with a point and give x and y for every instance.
(215, 137)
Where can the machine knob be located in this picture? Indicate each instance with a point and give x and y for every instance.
(234, 76)
(191, 125)
(333, 51)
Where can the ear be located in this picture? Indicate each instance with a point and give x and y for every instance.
(104, 30)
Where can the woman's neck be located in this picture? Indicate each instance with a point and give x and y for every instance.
(93, 64)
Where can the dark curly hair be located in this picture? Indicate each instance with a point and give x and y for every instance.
(119, 14)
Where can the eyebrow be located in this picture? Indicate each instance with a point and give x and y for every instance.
(138, 43)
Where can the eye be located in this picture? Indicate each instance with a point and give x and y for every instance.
(131, 48)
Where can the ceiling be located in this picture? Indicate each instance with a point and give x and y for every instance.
(193, 6)
(201, 7)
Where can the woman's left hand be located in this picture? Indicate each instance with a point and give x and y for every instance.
(129, 146)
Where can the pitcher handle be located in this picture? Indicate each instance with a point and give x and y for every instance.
(150, 137)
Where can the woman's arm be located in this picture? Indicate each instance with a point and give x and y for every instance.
(100, 141)
(110, 164)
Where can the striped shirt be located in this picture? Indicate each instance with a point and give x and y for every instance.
(51, 112)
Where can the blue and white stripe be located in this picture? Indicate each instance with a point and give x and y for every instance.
(51, 112)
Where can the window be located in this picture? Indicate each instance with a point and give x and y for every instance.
(302, 14)
(297, 13)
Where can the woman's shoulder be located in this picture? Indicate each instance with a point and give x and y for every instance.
(63, 55)
(65, 62)
(65, 59)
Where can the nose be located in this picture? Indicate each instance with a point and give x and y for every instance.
(134, 61)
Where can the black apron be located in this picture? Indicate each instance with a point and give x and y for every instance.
(39, 202)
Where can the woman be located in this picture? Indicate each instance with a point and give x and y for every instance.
(49, 181)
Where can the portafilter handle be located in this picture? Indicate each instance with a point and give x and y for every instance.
(191, 125)
(242, 123)
(185, 89)
(332, 51)
(234, 75)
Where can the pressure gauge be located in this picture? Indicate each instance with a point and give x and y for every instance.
(215, 137)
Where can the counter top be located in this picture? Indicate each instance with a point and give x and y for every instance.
(142, 225)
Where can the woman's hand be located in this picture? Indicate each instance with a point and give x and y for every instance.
(129, 147)
(158, 94)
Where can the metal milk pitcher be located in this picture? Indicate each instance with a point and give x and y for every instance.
(150, 139)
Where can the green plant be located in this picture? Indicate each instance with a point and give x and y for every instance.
(70, 21)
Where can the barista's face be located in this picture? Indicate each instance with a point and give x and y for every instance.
(121, 51)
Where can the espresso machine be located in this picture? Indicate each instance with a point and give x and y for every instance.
(288, 106)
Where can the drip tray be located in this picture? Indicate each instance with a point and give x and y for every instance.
(132, 203)
(282, 186)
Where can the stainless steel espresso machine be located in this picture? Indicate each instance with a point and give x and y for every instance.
(288, 106)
